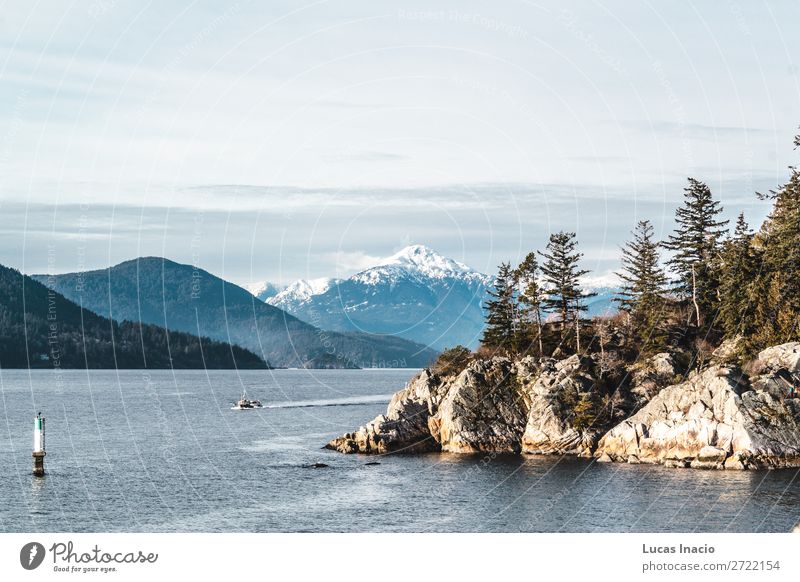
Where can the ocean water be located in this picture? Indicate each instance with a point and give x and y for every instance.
(163, 451)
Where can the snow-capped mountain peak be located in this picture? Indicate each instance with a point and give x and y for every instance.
(426, 261)
(421, 263)
(416, 293)
(302, 290)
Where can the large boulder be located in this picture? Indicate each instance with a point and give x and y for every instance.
(716, 419)
(404, 427)
(728, 351)
(552, 426)
(483, 410)
(479, 410)
(783, 357)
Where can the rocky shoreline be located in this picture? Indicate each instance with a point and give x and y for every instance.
(717, 418)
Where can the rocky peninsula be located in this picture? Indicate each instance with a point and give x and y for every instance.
(720, 416)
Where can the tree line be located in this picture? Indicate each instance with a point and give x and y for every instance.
(700, 286)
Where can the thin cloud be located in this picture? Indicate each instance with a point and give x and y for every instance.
(368, 156)
(693, 130)
(350, 261)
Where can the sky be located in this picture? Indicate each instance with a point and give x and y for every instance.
(284, 140)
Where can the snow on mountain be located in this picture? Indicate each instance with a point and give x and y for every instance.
(606, 286)
(263, 289)
(300, 292)
(609, 280)
(415, 293)
(420, 261)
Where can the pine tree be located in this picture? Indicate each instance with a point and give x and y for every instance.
(530, 302)
(500, 311)
(738, 273)
(643, 285)
(561, 272)
(777, 288)
(696, 244)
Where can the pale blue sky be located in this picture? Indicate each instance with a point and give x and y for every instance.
(302, 139)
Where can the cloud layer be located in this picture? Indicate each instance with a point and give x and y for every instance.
(284, 141)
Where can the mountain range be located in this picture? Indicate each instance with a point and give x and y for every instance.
(185, 298)
(417, 294)
(40, 328)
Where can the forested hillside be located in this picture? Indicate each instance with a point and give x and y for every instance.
(40, 328)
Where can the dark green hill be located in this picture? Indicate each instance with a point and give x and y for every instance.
(40, 328)
(185, 298)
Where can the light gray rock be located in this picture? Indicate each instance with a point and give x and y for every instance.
(483, 410)
(713, 420)
(650, 376)
(710, 458)
(728, 351)
(552, 427)
(718, 418)
(480, 410)
(404, 427)
(782, 357)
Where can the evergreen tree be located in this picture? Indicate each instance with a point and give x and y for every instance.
(777, 289)
(643, 284)
(530, 303)
(561, 272)
(500, 311)
(738, 273)
(696, 244)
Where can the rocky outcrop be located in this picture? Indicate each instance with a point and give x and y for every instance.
(650, 376)
(552, 426)
(404, 427)
(493, 405)
(480, 410)
(483, 410)
(716, 419)
(785, 357)
(728, 351)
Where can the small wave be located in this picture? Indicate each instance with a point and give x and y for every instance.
(348, 401)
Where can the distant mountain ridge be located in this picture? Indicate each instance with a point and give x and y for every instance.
(416, 293)
(186, 298)
(40, 328)
(264, 289)
(301, 290)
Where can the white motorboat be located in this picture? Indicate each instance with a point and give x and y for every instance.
(246, 403)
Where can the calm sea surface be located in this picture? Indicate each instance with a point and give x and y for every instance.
(163, 451)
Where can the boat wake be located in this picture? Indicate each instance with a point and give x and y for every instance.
(348, 401)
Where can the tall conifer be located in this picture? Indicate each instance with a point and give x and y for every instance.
(777, 292)
(739, 271)
(530, 303)
(696, 245)
(500, 311)
(563, 293)
(643, 287)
